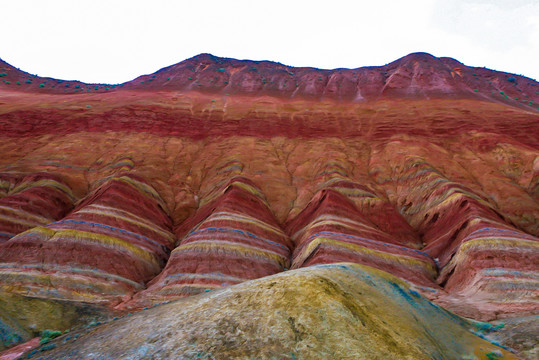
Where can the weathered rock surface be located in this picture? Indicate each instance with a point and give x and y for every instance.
(331, 229)
(117, 239)
(518, 333)
(232, 238)
(482, 258)
(23, 317)
(30, 201)
(423, 168)
(417, 75)
(339, 311)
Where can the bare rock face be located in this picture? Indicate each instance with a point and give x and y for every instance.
(232, 238)
(107, 248)
(24, 318)
(203, 184)
(482, 258)
(331, 230)
(30, 201)
(333, 311)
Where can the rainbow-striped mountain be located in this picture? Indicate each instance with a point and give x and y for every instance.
(236, 209)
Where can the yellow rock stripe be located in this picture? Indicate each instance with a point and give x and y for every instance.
(46, 183)
(29, 216)
(236, 248)
(241, 218)
(128, 217)
(88, 237)
(500, 243)
(335, 220)
(491, 243)
(394, 258)
(145, 188)
(251, 189)
(37, 269)
(138, 185)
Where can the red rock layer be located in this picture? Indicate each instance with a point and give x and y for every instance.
(7, 182)
(178, 126)
(31, 200)
(331, 229)
(117, 239)
(233, 238)
(376, 208)
(482, 257)
(417, 75)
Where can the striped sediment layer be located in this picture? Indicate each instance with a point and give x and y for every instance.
(331, 229)
(482, 257)
(31, 200)
(232, 238)
(115, 240)
(336, 311)
(8, 180)
(375, 206)
(448, 164)
(498, 270)
(443, 211)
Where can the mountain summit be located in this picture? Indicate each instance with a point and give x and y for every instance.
(414, 76)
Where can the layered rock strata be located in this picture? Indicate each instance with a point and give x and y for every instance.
(373, 205)
(482, 256)
(331, 229)
(234, 237)
(417, 75)
(31, 200)
(337, 311)
(113, 242)
(423, 168)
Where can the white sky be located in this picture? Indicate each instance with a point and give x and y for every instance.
(112, 41)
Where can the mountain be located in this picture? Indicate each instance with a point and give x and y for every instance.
(224, 208)
(415, 76)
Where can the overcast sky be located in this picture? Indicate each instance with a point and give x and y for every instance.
(113, 41)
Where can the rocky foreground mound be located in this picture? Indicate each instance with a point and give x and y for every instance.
(338, 311)
(230, 190)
